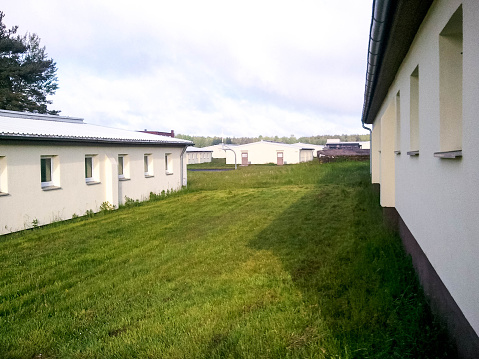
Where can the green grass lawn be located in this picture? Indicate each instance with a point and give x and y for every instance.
(262, 262)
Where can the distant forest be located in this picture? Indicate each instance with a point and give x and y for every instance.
(202, 141)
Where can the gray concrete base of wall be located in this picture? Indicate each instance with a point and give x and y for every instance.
(442, 303)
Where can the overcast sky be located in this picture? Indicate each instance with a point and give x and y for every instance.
(241, 68)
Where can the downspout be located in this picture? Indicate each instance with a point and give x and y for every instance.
(377, 45)
(227, 148)
(181, 164)
(370, 147)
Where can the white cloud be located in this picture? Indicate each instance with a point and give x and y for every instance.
(199, 67)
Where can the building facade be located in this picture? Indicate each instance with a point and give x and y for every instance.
(218, 151)
(263, 152)
(421, 99)
(198, 155)
(53, 168)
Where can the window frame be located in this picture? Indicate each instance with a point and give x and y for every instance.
(148, 165)
(54, 171)
(125, 173)
(451, 87)
(91, 177)
(46, 171)
(168, 164)
(95, 178)
(3, 176)
(414, 93)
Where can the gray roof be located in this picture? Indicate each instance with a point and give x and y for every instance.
(197, 149)
(22, 125)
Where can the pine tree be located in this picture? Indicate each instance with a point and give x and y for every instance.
(27, 76)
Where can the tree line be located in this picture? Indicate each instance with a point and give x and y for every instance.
(204, 141)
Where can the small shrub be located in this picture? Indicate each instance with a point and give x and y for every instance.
(130, 202)
(35, 223)
(74, 215)
(106, 207)
(89, 213)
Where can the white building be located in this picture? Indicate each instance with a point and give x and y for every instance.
(218, 150)
(53, 167)
(264, 152)
(315, 148)
(335, 143)
(198, 155)
(422, 100)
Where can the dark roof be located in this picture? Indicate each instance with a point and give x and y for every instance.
(398, 26)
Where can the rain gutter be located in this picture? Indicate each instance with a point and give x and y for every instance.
(394, 26)
(182, 171)
(378, 36)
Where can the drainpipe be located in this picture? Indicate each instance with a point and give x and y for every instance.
(377, 45)
(227, 148)
(181, 163)
(370, 148)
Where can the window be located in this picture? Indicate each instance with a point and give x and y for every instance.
(120, 166)
(148, 165)
(3, 176)
(91, 169)
(450, 84)
(397, 130)
(88, 169)
(414, 113)
(123, 167)
(49, 172)
(46, 164)
(168, 164)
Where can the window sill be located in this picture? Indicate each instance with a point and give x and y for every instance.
(149, 176)
(91, 183)
(413, 153)
(449, 154)
(397, 152)
(169, 173)
(50, 188)
(123, 179)
(4, 194)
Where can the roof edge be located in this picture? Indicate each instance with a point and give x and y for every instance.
(40, 116)
(398, 23)
(93, 140)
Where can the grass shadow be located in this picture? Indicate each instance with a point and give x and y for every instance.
(353, 272)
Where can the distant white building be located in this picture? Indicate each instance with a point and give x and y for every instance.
(55, 167)
(365, 145)
(198, 155)
(335, 143)
(315, 148)
(264, 152)
(218, 151)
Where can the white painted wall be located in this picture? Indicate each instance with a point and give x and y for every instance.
(315, 147)
(27, 201)
(198, 156)
(438, 198)
(365, 145)
(264, 152)
(218, 151)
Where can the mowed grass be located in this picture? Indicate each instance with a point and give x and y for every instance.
(262, 262)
